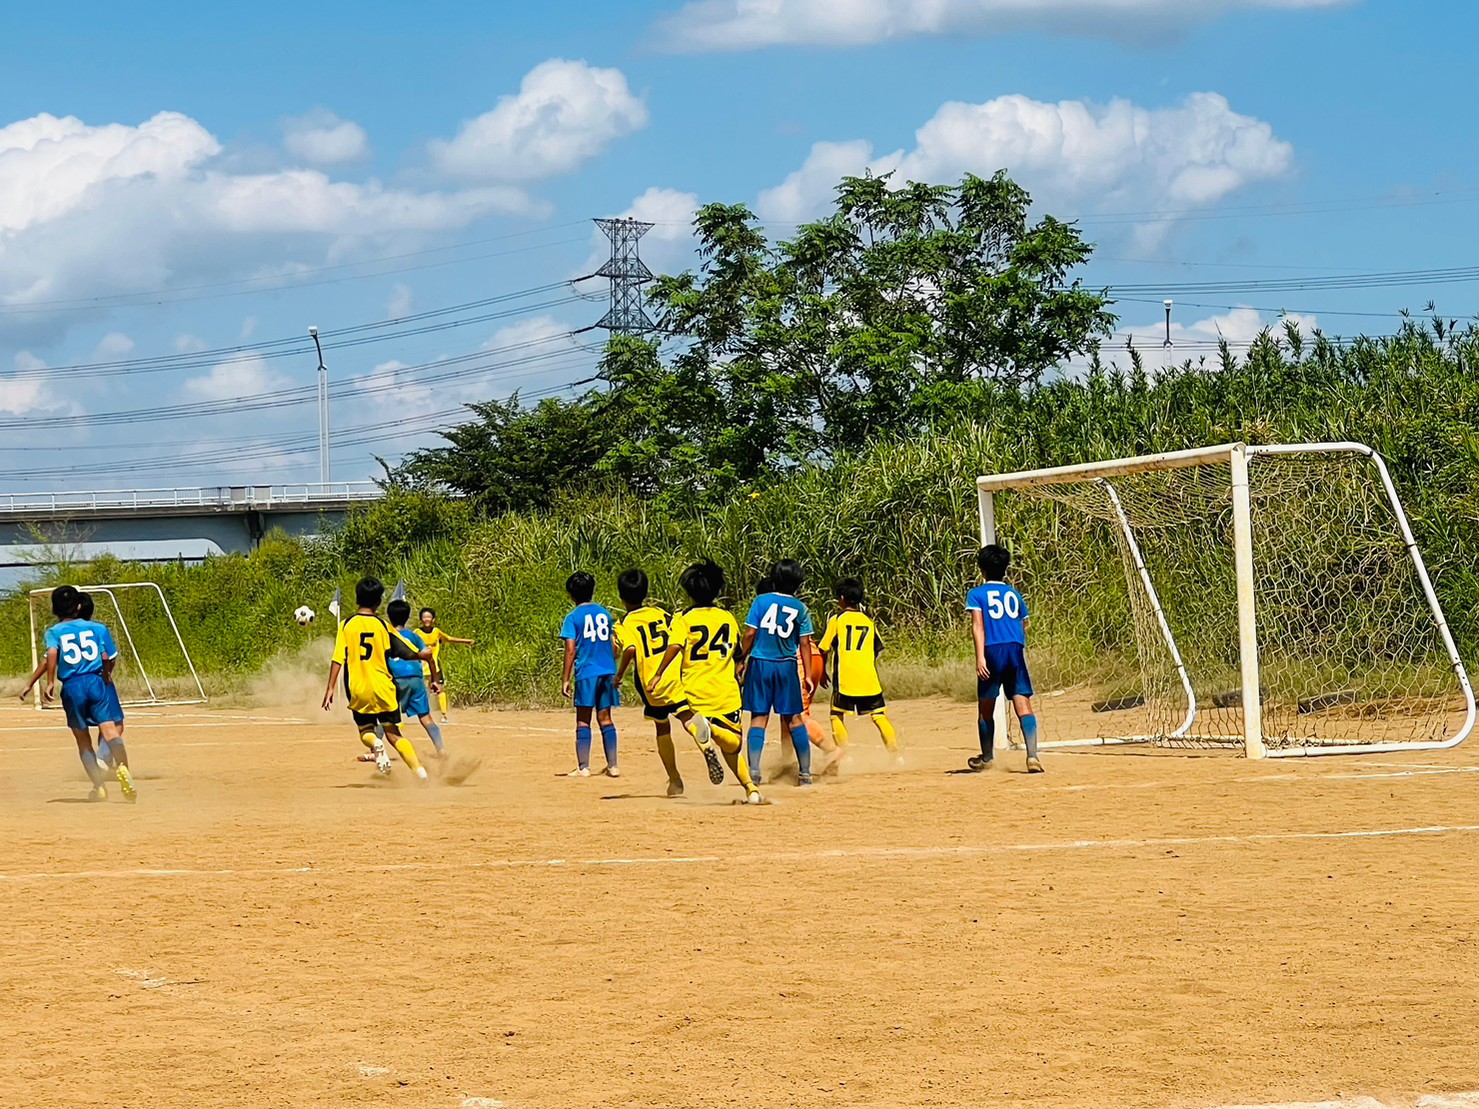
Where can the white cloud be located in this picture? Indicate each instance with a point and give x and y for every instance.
(564, 113)
(26, 393)
(94, 211)
(399, 303)
(321, 138)
(241, 378)
(729, 25)
(1076, 157)
(113, 345)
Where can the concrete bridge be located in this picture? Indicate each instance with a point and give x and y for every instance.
(231, 518)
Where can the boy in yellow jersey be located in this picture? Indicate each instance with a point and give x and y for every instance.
(362, 651)
(707, 640)
(434, 637)
(642, 641)
(852, 644)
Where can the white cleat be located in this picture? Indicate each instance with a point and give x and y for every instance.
(382, 764)
(754, 798)
(97, 793)
(421, 774)
(579, 772)
(612, 772)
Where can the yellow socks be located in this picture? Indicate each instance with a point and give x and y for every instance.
(886, 730)
(442, 702)
(839, 732)
(368, 739)
(407, 752)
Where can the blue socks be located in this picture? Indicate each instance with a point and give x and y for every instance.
(1029, 734)
(436, 736)
(802, 742)
(103, 753)
(608, 743)
(986, 732)
(583, 746)
(90, 764)
(754, 748)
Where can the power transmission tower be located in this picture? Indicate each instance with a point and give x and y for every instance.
(627, 274)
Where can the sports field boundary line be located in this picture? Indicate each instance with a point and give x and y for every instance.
(883, 853)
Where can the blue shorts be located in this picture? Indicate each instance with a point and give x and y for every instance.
(89, 701)
(410, 694)
(773, 685)
(597, 693)
(1008, 666)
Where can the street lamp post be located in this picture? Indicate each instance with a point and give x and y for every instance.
(1167, 344)
(323, 410)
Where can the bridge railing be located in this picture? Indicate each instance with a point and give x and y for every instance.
(219, 497)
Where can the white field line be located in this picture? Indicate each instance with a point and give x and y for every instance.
(881, 853)
(1428, 1101)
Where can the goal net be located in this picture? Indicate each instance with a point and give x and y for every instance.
(1271, 599)
(153, 665)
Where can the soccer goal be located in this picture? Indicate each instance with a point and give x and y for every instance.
(1271, 599)
(153, 667)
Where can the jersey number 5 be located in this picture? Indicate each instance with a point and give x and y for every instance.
(366, 645)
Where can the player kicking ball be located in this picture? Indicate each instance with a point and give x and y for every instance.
(81, 654)
(642, 640)
(998, 625)
(362, 653)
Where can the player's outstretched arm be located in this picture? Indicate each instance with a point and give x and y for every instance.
(35, 677)
(459, 642)
(565, 688)
(808, 649)
(334, 668)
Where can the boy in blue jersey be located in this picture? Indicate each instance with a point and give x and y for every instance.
(998, 625)
(589, 677)
(81, 653)
(778, 630)
(410, 679)
(113, 709)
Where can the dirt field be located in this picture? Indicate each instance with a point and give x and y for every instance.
(272, 925)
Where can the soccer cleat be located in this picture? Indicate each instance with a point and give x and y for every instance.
(579, 772)
(675, 788)
(368, 756)
(97, 793)
(421, 774)
(444, 720)
(703, 735)
(753, 798)
(1034, 767)
(126, 784)
(611, 772)
(803, 779)
(977, 764)
(716, 768)
(382, 763)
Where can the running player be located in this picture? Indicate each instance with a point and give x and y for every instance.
(362, 653)
(851, 640)
(808, 674)
(589, 673)
(777, 630)
(642, 640)
(112, 705)
(81, 653)
(998, 626)
(706, 639)
(434, 637)
(410, 684)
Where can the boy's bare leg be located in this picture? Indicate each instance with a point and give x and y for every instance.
(669, 758)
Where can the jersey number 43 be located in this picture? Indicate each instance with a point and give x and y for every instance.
(774, 623)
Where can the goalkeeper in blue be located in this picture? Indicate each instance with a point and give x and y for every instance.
(999, 628)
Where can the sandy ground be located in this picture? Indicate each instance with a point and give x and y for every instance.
(272, 925)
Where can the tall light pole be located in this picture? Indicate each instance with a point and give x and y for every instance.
(323, 410)
(1167, 344)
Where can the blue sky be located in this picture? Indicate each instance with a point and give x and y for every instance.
(178, 184)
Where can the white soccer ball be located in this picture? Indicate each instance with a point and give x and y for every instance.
(304, 615)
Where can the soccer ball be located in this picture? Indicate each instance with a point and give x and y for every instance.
(304, 615)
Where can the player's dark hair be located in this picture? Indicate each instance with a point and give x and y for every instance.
(85, 606)
(993, 561)
(787, 575)
(64, 601)
(399, 612)
(424, 611)
(765, 585)
(703, 581)
(850, 591)
(632, 586)
(581, 587)
(369, 592)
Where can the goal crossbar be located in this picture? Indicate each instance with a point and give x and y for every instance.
(1237, 457)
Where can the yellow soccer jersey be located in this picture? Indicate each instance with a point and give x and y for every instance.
(853, 642)
(363, 645)
(646, 632)
(710, 637)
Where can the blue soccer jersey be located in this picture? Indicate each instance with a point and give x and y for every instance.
(81, 647)
(779, 620)
(1002, 612)
(403, 667)
(590, 626)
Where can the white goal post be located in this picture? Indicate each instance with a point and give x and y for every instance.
(136, 608)
(1271, 598)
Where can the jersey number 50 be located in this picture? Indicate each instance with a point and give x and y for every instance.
(1000, 604)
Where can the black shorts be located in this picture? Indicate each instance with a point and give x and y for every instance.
(841, 702)
(370, 719)
(656, 712)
